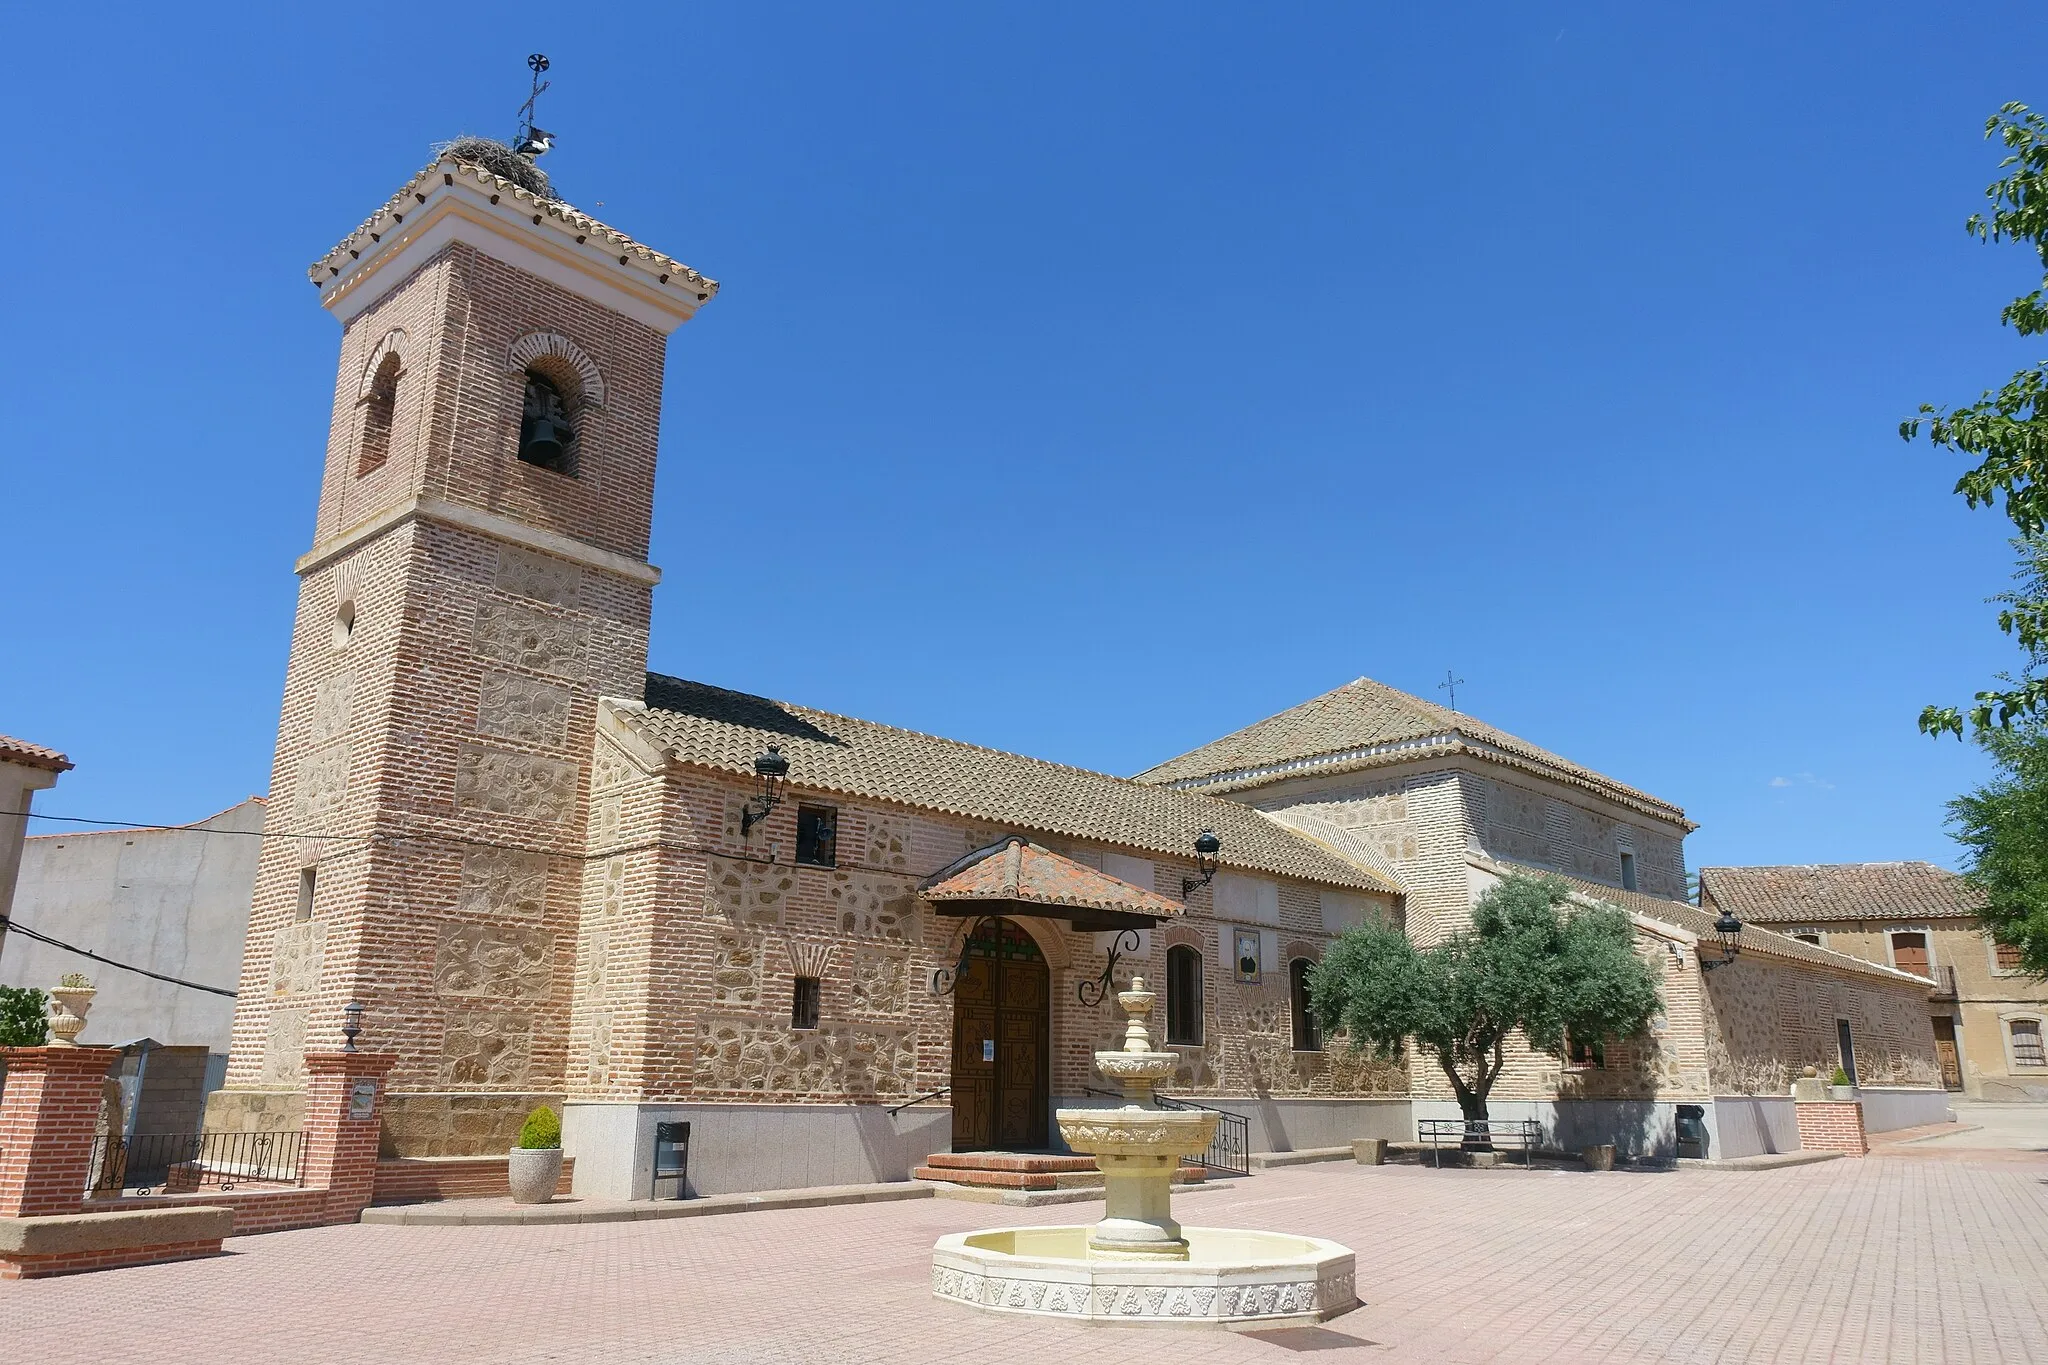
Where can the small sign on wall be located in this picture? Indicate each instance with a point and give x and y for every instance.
(1248, 956)
(988, 1049)
(362, 1099)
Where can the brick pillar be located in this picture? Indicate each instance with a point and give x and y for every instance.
(48, 1111)
(341, 1135)
(1832, 1126)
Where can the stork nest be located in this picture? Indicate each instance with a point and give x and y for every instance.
(500, 160)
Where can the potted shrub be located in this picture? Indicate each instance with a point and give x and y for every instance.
(71, 998)
(536, 1163)
(1839, 1084)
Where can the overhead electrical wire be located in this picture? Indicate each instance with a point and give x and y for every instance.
(15, 926)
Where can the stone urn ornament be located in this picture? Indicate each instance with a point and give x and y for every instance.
(70, 999)
(534, 1167)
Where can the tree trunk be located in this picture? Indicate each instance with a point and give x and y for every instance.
(1471, 1104)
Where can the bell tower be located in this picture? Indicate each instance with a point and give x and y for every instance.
(478, 577)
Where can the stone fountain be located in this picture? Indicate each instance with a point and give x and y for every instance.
(1138, 1265)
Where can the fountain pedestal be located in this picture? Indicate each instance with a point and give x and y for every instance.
(1139, 1146)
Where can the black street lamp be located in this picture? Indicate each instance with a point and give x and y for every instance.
(771, 767)
(351, 1024)
(1729, 930)
(1207, 846)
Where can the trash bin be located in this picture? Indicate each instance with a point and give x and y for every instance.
(1692, 1132)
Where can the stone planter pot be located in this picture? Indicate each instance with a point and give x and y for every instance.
(1369, 1151)
(69, 1005)
(1598, 1157)
(1842, 1092)
(532, 1173)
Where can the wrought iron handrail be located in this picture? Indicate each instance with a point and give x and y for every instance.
(170, 1163)
(919, 1100)
(1229, 1151)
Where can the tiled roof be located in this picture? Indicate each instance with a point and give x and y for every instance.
(1362, 724)
(1694, 920)
(547, 211)
(27, 755)
(1806, 893)
(1015, 869)
(713, 727)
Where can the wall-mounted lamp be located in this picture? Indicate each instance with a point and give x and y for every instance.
(351, 1024)
(771, 767)
(1729, 930)
(1207, 846)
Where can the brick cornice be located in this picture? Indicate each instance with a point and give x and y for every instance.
(484, 524)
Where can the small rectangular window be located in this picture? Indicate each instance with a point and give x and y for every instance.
(1628, 871)
(1807, 936)
(817, 836)
(1909, 953)
(803, 1003)
(2008, 957)
(2026, 1043)
(307, 878)
(1587, 1052)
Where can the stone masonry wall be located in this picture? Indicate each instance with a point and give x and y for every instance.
(1766, 1021)
(692, 939)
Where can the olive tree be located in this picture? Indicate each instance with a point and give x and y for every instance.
(1534, 962)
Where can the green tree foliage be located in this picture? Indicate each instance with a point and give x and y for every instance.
(2004, 827)
(541, 1129)
(1533, 961)
(2006, 429)
(24, 1017)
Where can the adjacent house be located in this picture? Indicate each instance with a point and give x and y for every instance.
(1986, 1014)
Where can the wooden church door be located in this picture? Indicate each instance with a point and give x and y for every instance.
(1002, 1014)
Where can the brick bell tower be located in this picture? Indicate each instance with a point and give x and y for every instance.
(478, 578)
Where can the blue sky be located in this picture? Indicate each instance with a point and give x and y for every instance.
(1091, 380)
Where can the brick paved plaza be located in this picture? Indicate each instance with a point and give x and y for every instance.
(1924, 1253)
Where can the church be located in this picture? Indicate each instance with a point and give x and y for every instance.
(833, 947)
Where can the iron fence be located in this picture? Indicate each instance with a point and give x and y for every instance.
(171, 1163)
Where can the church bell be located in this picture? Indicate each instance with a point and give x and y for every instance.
(541, 441)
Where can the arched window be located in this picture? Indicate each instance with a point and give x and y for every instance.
(1183, 994)
(378, 406)
(547, 430)
(1307, 1037)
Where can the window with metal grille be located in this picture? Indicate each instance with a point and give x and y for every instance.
(1307, 1037)
(803, 1003)
(2008, 957)
(1183, 994)
(1587, 1052)
(1909, 953)
(2026, 1043)
(817, 836)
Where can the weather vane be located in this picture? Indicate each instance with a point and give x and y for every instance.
(1450, 685)
(532, 141)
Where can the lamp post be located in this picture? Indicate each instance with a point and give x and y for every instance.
(771, 767)
(1207, 846)
(1728, 930)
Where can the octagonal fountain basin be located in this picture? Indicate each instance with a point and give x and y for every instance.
(1231, 1278)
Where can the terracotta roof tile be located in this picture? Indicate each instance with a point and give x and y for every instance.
(1015, 869)
(1695, 920)
(713, 727)
(1366, 722)
(1806, 893)
(544, 209)
(27, 755)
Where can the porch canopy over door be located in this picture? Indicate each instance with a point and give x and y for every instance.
(1014, 876)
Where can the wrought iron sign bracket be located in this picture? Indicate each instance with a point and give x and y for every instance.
(944, 979)
(1104, 984)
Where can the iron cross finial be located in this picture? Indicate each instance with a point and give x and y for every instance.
(1450, 684)
(532, 141)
